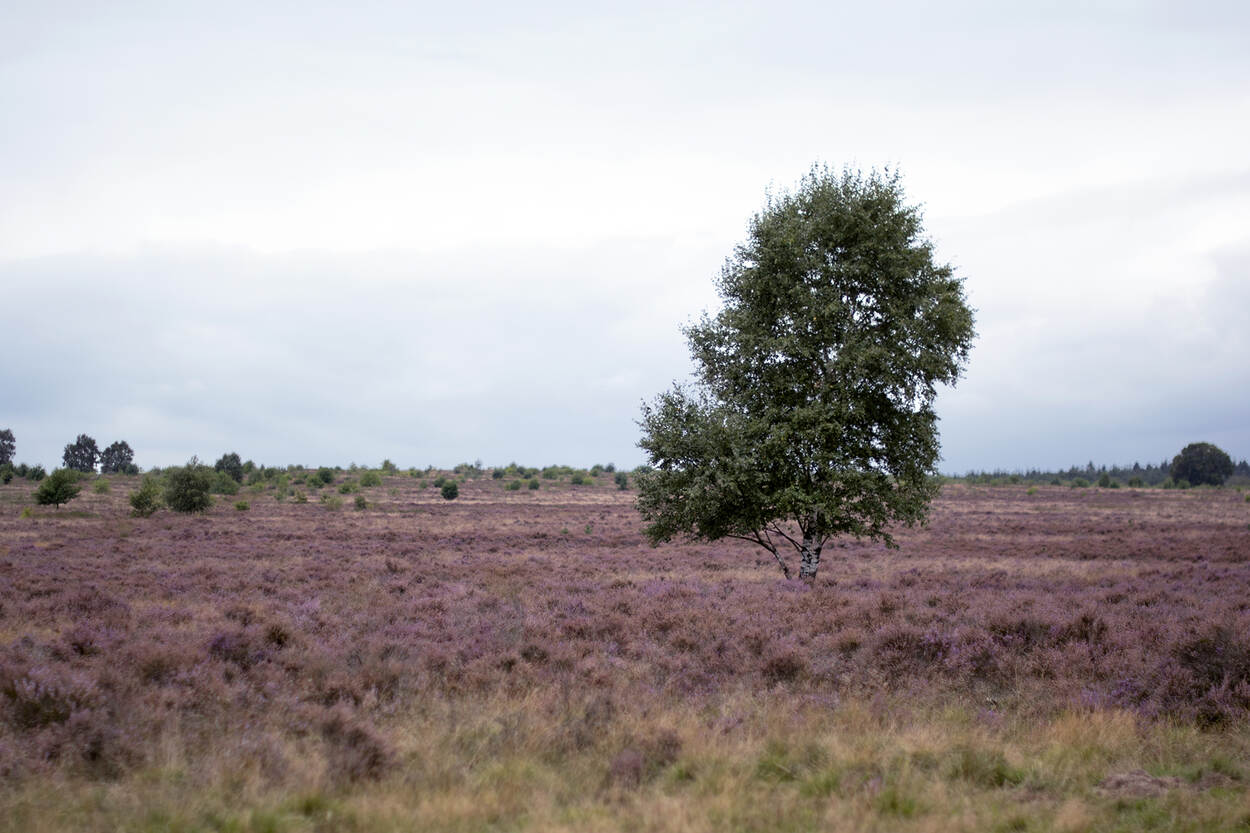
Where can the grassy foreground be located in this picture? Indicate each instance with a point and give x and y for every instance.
(766, 762)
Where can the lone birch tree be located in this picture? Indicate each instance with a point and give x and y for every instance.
(811, 414)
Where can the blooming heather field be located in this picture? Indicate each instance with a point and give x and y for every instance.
(1070, 659)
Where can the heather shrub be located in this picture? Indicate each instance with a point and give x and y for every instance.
(45, 696)
(353, 752)
(369, 479)
(145, 500)
(187, 487)
(450, 490)
(59, 487)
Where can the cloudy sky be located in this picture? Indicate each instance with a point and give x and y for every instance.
(317, 235)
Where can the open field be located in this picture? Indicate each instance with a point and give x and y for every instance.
(1070, 659)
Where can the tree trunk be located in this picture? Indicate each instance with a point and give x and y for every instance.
(812, 546)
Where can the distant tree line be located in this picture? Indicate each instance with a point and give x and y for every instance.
(1196, 464)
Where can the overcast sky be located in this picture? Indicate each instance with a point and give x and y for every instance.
(441, 232)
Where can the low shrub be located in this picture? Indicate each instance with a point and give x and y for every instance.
(450, 490)
(534, 484)
(361, 503)
(36, 474)
(100, 487)
(145, 500)
(1079, 483)
(59, 487)
(348, 487)
(224, 484)
(577, 479)
(332, 502)
(187, 487)
(370, 479)
(622, 480)
(514, 486)
(325, 475)
(242, 505)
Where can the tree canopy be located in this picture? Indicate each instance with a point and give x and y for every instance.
(59, 487)
(118, 457)
(82, 454)
(8, 445)
(1202, 463)
(811, 414)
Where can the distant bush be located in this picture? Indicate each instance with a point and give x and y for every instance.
(100, 487)
(389, 467)
(325, 475)
(59, 487)
(1079, 483)
(450, 490)
(1135, 483)
(622, 480)
(36, 473)
(332, 502)
(534, 484)
(347, 487)
(187, 487)
(496, 474)
(242, 505)
(439, 481)
(232, 466)
(370, 478)
(224, 484)
(6, 473)
(514, 486)
(596, 470)
(145, 500)
(550, 474)
(300, 497)
(577, 479)
(361, 503)
(7, 446)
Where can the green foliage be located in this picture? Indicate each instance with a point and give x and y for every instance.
(1202, 464)
(242, 505)
(59, 487)
(514, 486)
(36, 473)
(534, 485)
(232, 466)
(1135, 482)
(100, 487)
(82, 454)
(814, 402)
(1104, 481)
(622, 480)
(439, 481)
(325, 475)
(300, 497)
(187, 487)
(8, 445)
(1079, 483)
(145, 500)
(224, 484)
(369, 479)
(118, 458)
(577, 479)
(347, 487)
(389, 467)
(361, 503)
(332, 502)
(450, 491)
